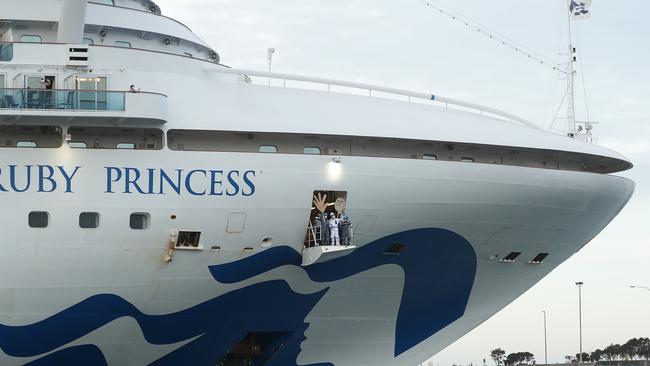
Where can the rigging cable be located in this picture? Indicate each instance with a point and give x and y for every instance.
(542, 60)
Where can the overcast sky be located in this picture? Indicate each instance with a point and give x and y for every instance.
(406, 45)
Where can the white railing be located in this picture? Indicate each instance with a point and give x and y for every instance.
(370, 89)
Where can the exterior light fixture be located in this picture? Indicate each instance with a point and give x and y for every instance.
(335, 169)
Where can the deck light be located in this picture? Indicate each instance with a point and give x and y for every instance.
(335, 169)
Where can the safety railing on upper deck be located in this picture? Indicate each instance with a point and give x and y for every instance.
(62, 99)
(289, 81)
(82, 106)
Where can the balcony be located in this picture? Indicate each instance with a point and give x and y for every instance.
(89, 106)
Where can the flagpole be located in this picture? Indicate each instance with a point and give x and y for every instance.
(571, 109)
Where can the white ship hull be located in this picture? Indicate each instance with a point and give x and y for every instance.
(438, 197)
(496, 209)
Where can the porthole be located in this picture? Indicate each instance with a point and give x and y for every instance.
(38, 219)
(31, 38)
(311, 150)
(269, 149)
(89, 220)
(77, 145)
(26, 144)
(139, 221)
(125, 146)
(123, 44)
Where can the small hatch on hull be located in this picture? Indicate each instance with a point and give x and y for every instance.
(395, 249)
(256, 348)
(188, 240)
(539, 259)
(510, 258)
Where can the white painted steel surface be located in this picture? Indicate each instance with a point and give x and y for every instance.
(496, 208)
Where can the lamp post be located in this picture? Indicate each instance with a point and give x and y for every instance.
(269, 60)
(641, 287)
(545, 344)
(579, 284)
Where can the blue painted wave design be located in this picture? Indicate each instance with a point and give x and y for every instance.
(86, 355)
(439, 269)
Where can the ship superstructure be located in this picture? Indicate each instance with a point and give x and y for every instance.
(161, 208)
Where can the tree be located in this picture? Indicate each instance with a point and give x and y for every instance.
(568, 359)
(612, 352)
(596, 355)
(520, 358)
(498, 356)
(585, 357)
(629, 349)
(644, 348)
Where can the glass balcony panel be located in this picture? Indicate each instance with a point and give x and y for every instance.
(52, 99)
(6, 52)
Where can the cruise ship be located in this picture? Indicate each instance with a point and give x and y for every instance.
(161, 208)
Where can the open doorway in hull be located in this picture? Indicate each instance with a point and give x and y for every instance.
(325, 206)
(255, 349)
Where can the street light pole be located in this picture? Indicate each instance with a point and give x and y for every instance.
(545, 344)
(579, 284)
(269, 60)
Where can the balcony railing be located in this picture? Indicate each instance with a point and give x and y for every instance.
(63, 99)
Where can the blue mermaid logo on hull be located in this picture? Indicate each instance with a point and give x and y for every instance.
(439, 268)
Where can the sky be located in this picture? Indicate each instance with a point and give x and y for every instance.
(407, 45)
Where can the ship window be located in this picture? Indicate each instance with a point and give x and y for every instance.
(467, 160)
(188, 54)
(511, 257)
(38, 219)
(124, 44)
(106, 2)
(28, 144)
(268, 149)
(89, 41)
(89, 220)
(28, 136)
(6, 52)
(139, 221)
(539, 259)
(77, 145)
(31, 38)
(125, 145)
(429, 157)
(188, 239)
(116, 138)
(311, 150)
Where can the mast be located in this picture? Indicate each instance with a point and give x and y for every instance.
(571, 74)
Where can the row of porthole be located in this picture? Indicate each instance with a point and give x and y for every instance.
(87, 220)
